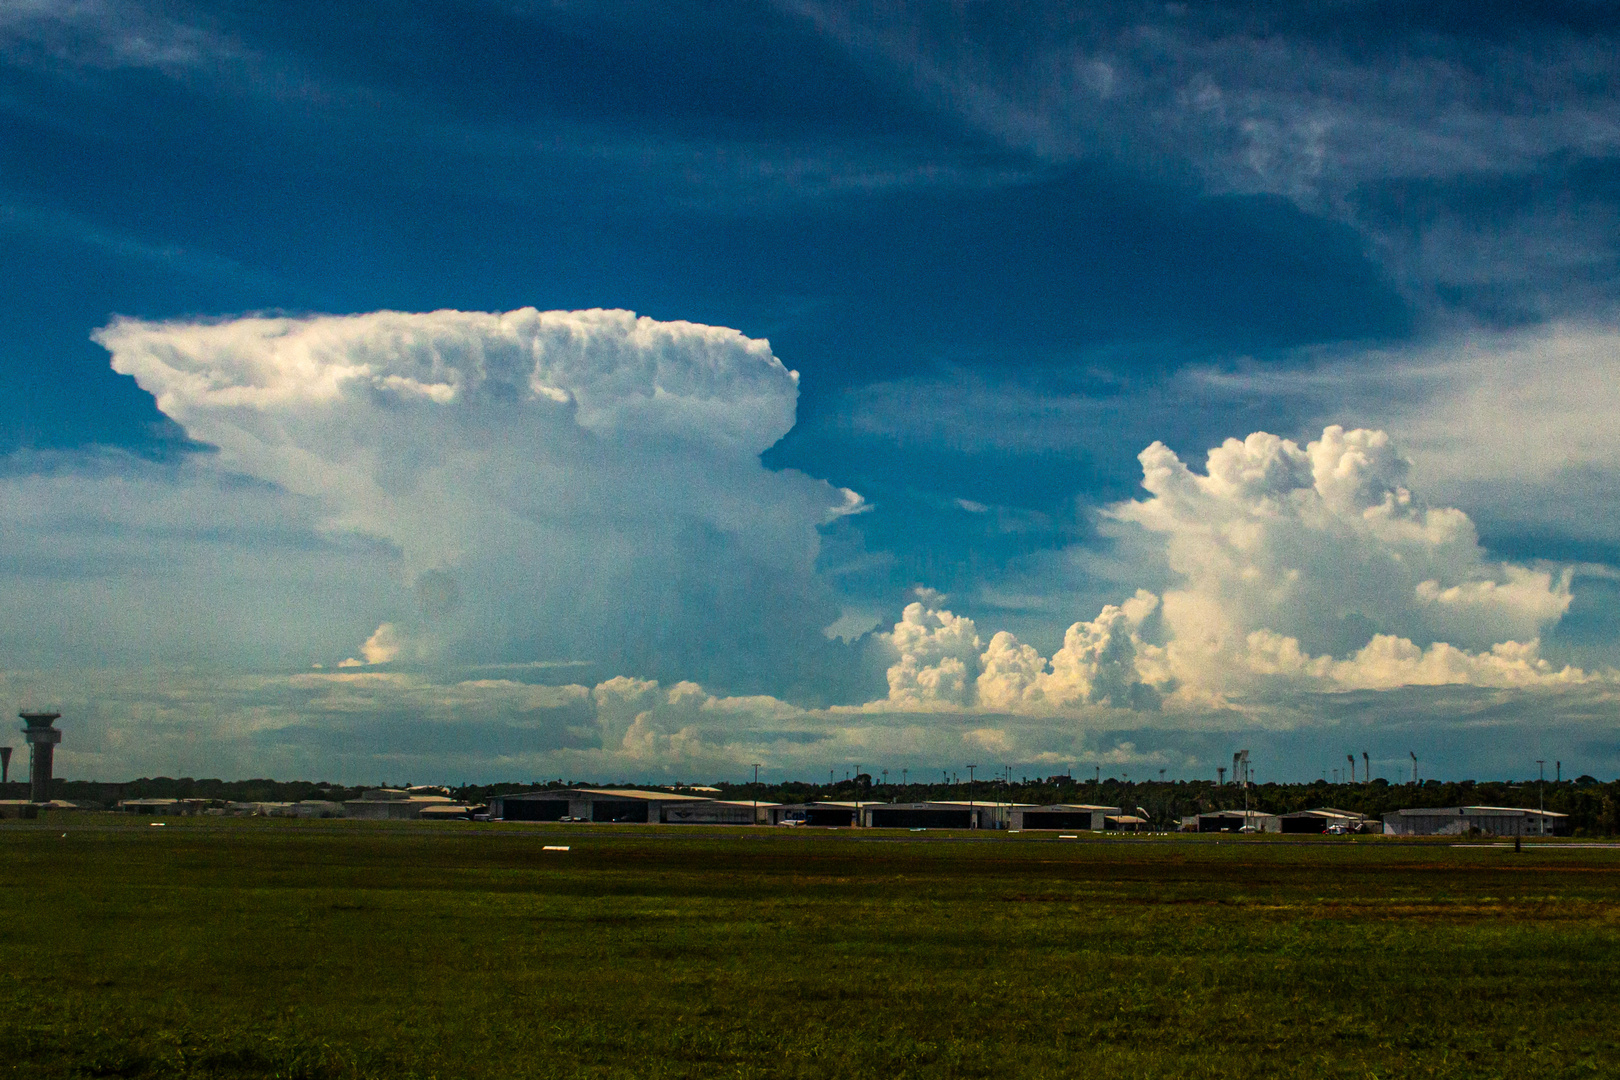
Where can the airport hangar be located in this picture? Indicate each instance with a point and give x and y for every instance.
(821, 815)
(941, 814)
(623, 805)
(1321, 820)
(1460, 820)
(1064, 816)
(1015, 817)
(1237, 820)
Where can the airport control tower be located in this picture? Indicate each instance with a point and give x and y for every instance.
(42, 739)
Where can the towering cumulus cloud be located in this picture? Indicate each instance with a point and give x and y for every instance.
(1291, 557)
(1311, 567)
(557, 484)
(942, 664)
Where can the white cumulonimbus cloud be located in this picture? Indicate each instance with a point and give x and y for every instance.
(1313, 567)
(586, 486)
(555, 484)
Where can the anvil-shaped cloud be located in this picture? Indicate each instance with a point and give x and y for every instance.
(556, 484)
(490, 489)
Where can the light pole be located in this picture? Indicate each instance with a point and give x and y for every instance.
(973, 819)
(1541, 797)
(756, 793)
(1246, 820)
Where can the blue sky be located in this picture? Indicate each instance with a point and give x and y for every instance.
(1007, 248)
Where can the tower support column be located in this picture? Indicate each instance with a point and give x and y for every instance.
(42, 739)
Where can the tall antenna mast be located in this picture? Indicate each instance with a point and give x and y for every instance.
(1414, 766)
(1243, 755)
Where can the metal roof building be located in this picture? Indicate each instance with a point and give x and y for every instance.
(1320, 820)
(394, 804)
(620, 805)
(166, 807)
(1236, 820)
(1126, 823)
(1460, 820)
(940, 814)
(1064, 816)
(832, 814)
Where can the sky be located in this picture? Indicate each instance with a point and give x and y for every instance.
(643, 392)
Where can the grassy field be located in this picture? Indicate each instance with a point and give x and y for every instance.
(223, 947)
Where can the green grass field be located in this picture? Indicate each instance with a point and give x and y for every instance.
(224, 947)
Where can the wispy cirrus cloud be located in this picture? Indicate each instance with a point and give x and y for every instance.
(1307, 102)
(1460, 142)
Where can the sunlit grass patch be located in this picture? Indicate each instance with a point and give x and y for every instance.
(275, 948)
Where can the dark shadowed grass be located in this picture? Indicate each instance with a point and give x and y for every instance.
(227, 948)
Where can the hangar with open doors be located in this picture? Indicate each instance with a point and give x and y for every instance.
(1322, 820)
(944, 814)
(824, 815)
(617, 806)
(1238, 821)
(1488, 820)
(1065, 816)
(920, 817)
